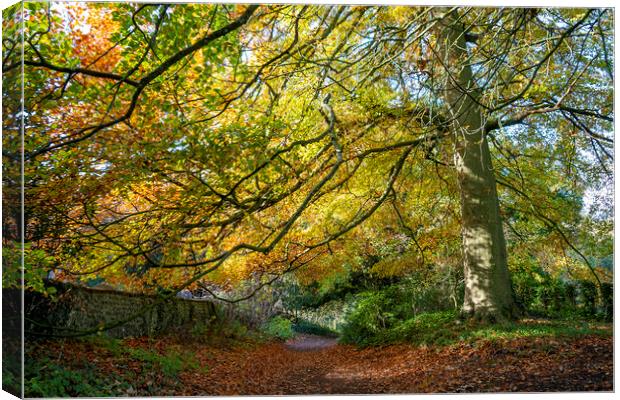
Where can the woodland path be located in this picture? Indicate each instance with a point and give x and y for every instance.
(312, 364)
(305, 342)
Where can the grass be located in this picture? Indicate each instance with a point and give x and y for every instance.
(452, 332)
(538, 328)
(444, 328)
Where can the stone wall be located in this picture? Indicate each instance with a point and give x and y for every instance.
(74, 309)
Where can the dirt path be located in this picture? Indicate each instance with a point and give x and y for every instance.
(306, 342)
(311, 364)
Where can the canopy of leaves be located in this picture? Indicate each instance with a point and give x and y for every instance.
(168, 145)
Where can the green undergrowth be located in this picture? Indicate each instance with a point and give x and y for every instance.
(282, 328)
(45, 378)
(140, 366)
(279, 328)
(444, 328)
(308, 327)
(219, 332)
(169, 362)
(11, 366)
(47, 375)
(535, 328)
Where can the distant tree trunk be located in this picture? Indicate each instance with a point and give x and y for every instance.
(488, 289)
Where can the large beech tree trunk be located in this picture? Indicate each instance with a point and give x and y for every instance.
(488, 289)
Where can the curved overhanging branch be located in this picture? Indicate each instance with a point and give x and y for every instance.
(140, 85)
(220, 259)
(321, 187)
(331, 120)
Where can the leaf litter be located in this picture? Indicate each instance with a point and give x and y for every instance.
(317, 365)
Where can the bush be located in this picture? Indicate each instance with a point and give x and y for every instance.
(373, 315)
(607, 298)
(587, 298)
(280, 328)
(303, 326)
(378, 313)
(542, 295)
(368, 325)
(425, 329)
(571, 296)
(553, 298)
(200, 330)
(219, 328)
(234, 329)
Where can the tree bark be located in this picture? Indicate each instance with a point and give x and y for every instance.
(488, 290)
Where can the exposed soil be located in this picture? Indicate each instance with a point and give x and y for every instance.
(306, 342)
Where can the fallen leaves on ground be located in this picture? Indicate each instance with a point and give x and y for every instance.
(518, 365)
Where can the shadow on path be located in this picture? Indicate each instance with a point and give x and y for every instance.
(305, 342)
(310, 364)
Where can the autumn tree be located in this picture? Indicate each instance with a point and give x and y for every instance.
(274, 138)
